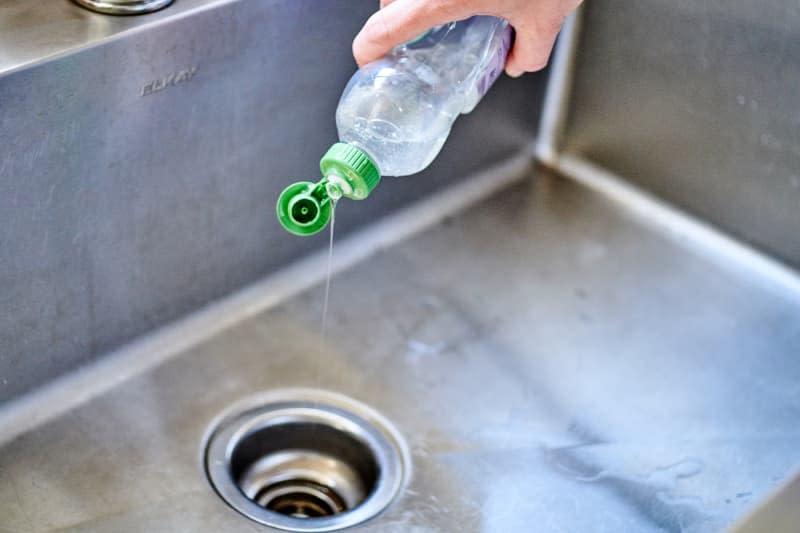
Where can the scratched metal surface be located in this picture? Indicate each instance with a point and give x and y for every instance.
(554, 365)
(139, 171)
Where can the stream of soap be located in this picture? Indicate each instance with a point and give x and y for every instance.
(328, 278)
(323, 326)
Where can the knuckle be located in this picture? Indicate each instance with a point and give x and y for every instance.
(441, 9)
(378, 29)
(537, 64)
(547, 30)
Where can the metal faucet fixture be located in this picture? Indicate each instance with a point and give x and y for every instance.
(124, 7)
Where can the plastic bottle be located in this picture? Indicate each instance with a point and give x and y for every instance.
(396, 113)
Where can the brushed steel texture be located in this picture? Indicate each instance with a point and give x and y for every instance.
(698, 103)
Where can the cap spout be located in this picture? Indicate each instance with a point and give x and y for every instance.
(304, 208)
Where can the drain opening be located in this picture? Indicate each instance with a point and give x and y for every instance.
(303, 469)
(306, 466)
(301, 499)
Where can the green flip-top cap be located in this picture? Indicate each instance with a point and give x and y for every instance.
(304, 207)
(351, 169)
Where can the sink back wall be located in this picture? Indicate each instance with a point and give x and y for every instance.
(139, 172)
(699, 103)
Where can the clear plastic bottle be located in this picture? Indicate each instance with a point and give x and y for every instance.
(400, 109)
(396, 113)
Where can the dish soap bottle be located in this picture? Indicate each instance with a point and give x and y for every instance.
(396, 113)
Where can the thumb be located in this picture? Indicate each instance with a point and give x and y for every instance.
(399, 22)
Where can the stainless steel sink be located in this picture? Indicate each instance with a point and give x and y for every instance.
(554, 361)
(544, 350)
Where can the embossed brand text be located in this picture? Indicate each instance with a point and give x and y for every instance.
(166, 82)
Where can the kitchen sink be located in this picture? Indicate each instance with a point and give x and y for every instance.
(554, 361)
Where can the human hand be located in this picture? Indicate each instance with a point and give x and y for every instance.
(536, 23)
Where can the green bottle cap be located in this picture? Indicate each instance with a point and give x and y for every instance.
(304, 208)
(353, 167)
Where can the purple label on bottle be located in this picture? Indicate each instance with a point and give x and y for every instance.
(497, 63)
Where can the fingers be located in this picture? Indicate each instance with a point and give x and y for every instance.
(532, 47)
(402, 20)
(536, 22)
(537, 26)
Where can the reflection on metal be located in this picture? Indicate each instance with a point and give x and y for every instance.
(559, 83)
(124, 7)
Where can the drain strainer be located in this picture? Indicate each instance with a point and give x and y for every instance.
(304, 460)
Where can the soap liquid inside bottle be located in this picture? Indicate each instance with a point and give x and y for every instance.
(400, 109)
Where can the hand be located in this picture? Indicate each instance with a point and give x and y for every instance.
(536, 23)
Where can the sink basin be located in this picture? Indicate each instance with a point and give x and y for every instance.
(554, 363)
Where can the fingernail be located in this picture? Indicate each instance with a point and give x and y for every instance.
(513, 73)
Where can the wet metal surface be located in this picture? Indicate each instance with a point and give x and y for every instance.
(553, 365)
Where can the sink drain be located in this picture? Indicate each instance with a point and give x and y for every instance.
(303, 460)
